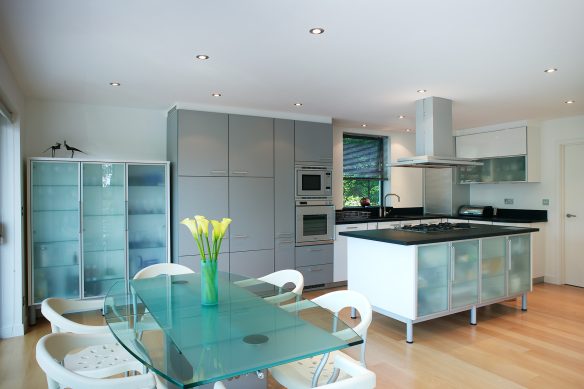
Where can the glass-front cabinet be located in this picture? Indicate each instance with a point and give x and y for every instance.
(54, 230)
(94, 223)
(464, 273)
(493, 268)
(519, 263)
(500, 169)
(433, 265)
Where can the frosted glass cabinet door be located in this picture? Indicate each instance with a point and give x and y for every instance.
(493, 268)
(55, 229)
(147, 229)
(433, 263)
(464, 273)
(519, 264)
(104, 226)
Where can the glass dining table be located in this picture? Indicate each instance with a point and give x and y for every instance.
(254, 326)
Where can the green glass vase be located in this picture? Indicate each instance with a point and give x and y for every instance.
(209, 287)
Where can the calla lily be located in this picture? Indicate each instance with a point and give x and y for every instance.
(223, 225)
(192, 226)
(203, 224)
(199, 227)
(216, 230)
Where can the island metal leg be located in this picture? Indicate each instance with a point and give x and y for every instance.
(473, 316)
(524, 302)
(409, 332)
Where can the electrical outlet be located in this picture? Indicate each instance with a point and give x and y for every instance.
(508, 201)
(545, 202)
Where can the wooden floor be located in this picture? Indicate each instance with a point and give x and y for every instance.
(540, 348)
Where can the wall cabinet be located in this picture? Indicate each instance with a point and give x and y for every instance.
(93, 224)
(313, 143)
(508, 154)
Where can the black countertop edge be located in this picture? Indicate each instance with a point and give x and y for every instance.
(407, 238)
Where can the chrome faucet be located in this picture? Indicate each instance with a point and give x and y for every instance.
(385, 202)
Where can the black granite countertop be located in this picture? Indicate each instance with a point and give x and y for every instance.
(409, 238)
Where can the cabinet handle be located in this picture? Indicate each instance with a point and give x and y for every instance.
(509, 254)
(218, 172)
(315, 270)
(240, 236)
(285, 242)
(284, 235)
(452, 263)
(314, 249)
(351, 228)
(239, 172)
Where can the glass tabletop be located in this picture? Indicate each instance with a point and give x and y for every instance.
(254, 326)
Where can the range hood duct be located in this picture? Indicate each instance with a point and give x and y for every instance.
(434, 139)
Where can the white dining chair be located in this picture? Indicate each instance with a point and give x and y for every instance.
(54, 309)
(280, 279)
(299, 374)
(53, 352)
(171, 269)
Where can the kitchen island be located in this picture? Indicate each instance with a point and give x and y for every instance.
(414, 276)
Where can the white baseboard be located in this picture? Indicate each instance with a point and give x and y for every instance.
(11, 331)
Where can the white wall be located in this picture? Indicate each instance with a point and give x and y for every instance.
(12, 318)
(101, 131)
(407, 183)
(554, 133)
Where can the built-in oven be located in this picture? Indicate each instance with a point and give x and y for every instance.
(313, 181)
(315, 222)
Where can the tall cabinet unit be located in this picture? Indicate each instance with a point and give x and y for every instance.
(92, 223)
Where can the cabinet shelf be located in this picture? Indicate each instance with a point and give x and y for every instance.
(48, 242)
(54, 185)
(103, 251)
(103, 279)
(145, 213)
(145, 246)
(55, 266)
(104, 215)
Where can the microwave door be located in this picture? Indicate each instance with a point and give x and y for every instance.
(309, 183)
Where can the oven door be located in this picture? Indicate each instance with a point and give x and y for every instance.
(315, 224)
(310, 182)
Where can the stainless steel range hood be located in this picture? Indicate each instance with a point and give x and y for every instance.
(434, 139)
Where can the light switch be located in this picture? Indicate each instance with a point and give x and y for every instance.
(545, 202)
(509, 201)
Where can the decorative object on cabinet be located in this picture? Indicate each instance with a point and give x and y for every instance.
(53, 148)
(72, 149)
(92, 223)
(199, 227)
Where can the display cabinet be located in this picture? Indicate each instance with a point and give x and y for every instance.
(92, 223)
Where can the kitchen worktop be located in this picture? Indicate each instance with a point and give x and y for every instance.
(409, 238)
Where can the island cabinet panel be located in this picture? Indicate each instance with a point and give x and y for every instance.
(464, 274)
(519, 264)
(433, 265)
(493, 268)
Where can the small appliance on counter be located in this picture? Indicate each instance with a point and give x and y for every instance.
(476, 210)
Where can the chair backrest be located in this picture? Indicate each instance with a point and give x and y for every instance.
(171, 269)
(51, 351)
(219, 385)
(287, 276)
(360, 377)
(336, 301)
(54, 308)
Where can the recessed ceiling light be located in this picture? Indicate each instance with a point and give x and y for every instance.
(298, 104)
(551, 70)
(115, 84)
(570, 101)
(422, 90)
(216, 94)
(408, 130)
(401, 116)
(316, 30)
(202, 56)
(364, 125)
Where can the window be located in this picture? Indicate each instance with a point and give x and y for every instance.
(364, 160)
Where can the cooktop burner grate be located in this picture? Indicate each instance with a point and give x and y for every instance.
(437, 227)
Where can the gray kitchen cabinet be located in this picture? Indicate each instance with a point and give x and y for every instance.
(207, 196)
(316, 275)
(251, 146)
(313, 143)
(202, 143)
(255, 263)
(193, 262)
(314, 255)
(251, 205)
(284, 211)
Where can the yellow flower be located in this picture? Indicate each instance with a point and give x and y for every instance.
(216, 230)
(223, 226)
(192, 225)
(202, 224)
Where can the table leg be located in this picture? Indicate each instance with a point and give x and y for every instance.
(319, 369)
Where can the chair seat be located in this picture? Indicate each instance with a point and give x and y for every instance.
(298, 374)
(102, 361)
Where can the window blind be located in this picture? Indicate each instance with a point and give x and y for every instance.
(363, 157)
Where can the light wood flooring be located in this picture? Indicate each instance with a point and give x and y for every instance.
(540, 348)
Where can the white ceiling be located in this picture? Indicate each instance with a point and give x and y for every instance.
(487, 56)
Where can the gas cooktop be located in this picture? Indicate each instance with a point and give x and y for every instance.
(438, 227)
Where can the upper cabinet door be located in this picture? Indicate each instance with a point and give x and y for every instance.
(313, 143)
(202, 143)
(251, 146)
(501, 143)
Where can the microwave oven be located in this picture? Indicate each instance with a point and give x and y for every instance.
(313, 182)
